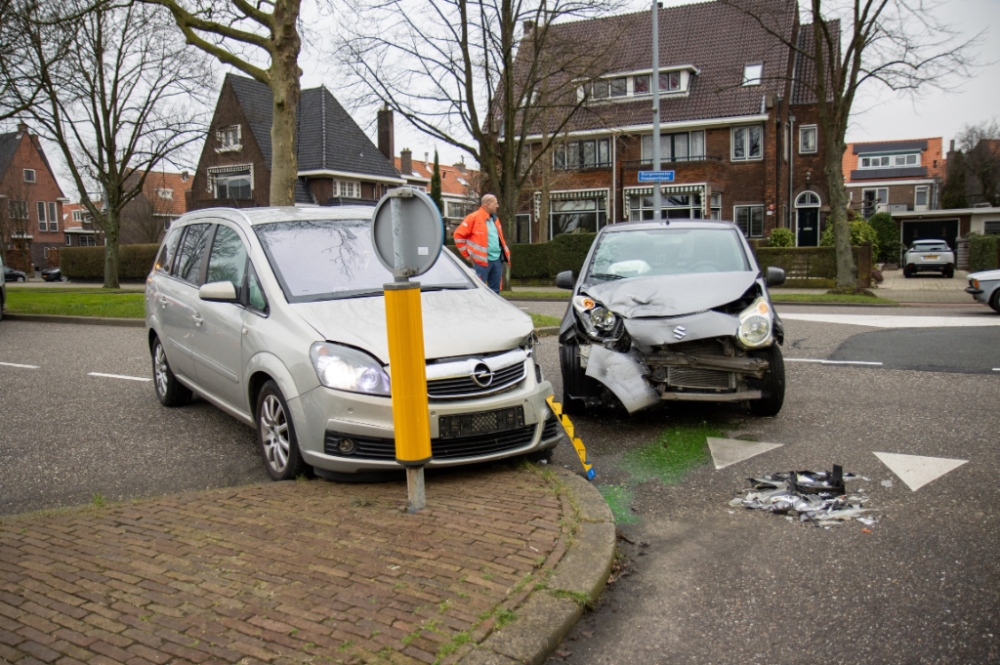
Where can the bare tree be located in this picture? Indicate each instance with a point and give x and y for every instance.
(122, 99)
(457, 71)
(981, 147)
(899, 44)
(238, 33)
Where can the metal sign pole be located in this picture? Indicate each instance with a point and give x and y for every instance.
(657, 164)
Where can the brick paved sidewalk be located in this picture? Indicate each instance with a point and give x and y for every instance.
(280, 573)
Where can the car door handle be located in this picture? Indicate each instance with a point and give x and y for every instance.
(197, 319)
(164, 302)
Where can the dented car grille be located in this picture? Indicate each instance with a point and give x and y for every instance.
(704, 379)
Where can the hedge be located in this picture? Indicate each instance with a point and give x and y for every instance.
(807, 263)
(529, 261)
(983, 252)
(545, 260)
(134, 262)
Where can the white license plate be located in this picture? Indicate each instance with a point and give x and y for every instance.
(931, 257)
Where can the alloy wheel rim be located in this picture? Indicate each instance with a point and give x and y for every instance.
(274, 433)
(161, 370)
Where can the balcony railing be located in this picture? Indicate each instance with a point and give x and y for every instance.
(648, 163)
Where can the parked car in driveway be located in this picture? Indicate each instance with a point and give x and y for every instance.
(53, 275)
(277, 317)
(929, 256)
(674, 311)
(984, 287)
(12, 275)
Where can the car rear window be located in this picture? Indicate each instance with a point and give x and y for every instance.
(931, 247)
(332, 259)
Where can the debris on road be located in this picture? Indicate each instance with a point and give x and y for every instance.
(819, 497)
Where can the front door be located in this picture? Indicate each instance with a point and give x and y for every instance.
(808, 227)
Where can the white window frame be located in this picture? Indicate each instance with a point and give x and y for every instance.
(890, 159)
(880, 204)
(648, 157)
(224, 171)
(749, 233)
(78, 216)
(917, 191)
(69, 240)
(53, 217)
(753, 74)
(165, 193)
(804, 130)
(30, 175)
(347, 189)
(560, 151)
(43, 226)
(226, 136)
(746, 143)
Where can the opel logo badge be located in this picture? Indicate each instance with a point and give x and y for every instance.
(482, 375)
(680, 332)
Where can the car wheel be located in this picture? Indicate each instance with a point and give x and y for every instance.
(574, 379)
(276, 435)
(20, 279)
(908, 272)
(63, 278)
(772, 386)
(949, 272)
(995, 301)
(169, 390)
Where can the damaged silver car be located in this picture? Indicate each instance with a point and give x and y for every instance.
(674, 310)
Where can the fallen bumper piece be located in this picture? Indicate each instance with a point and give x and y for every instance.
(817, 497)
(623, 375)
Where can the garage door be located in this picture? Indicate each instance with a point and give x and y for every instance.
(935, 229)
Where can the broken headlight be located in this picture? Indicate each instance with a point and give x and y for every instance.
(755, 325)
(599, 322)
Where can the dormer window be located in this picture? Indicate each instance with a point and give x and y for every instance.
(165, 194)
(230, 139)
(637, 84)
(752, 74)
(604, 88)
(29, 175)
(889, 161)
(670, 81)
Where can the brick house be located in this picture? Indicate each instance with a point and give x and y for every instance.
(739, 126)
(894, 176)
(163, 199)
(79, 227)
(337, 161)
(459, 185)
(31, 203)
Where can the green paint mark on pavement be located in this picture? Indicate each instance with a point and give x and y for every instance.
(619, 499)
(676, 452)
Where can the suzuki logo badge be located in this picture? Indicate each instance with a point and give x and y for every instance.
(679, 332)
(482, 375)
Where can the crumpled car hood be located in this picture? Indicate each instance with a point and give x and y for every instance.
(670, 295)
(456, 323)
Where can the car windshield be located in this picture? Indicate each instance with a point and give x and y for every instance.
(931, 247)
(333, 259)
(670, 251)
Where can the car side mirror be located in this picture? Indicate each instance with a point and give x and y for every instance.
(775, 276)
(218, 292)
(566, 280)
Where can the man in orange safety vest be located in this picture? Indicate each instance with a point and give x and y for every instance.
(479, 238)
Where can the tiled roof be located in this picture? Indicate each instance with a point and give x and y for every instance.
(804, 78)
(175, 203)
(716, 38)
(8, 146)
(328, 139)
(932, 159)
(452, 177)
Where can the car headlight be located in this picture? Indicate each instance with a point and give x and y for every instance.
(343, 368)
(755, 325)
(599, 321)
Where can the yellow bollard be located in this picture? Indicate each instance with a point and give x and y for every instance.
(581, 451)
(411, 421)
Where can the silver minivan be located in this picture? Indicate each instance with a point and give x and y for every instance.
(276, 316)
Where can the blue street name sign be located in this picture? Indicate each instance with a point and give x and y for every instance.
(656, 176)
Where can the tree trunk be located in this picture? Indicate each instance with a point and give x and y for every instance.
(286, 90)
(111, 235)
(847, 272)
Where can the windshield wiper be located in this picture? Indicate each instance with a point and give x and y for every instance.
(606, 275)
(442, 287)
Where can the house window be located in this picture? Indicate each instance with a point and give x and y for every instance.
(17, 209)
(584, 215)
(69, 240)
(752, 74)
(53, 218)
(874, 200)
(889, 161)
(675, 206)
(921, 195)
(604, 88)
(716, 212)
(231, 183)
(347, 189)
(748, 143)
(78, 216)
(640, 84)
(29, 175)
(582, 154)
(807, 138)
(522, 228)
(165, 194)
(991, 228)
(42, 225)
(457, 209)
(229, 139)
(88, 241)
(750, 219)
(680, 147)
(670, 81)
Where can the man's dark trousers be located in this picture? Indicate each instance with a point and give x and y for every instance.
(490, 274)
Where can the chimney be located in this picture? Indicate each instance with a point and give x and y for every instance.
(184, 176)
(461, 165)
(22, 128)
(405, 161)
(529, 28)
(427, 164)
(952, 148)
(386, 133)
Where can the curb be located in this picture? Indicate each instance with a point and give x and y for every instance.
(547, 331)
(548, 614)
(81, 320)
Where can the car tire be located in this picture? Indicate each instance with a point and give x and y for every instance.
(63, 278)
(949, 272)
(276, 435)
(908, 272)
(772, 385)
(21, 279)
(995, 301)
(169, 390)
(574, 379)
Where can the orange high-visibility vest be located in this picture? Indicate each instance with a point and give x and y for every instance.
(472, 237)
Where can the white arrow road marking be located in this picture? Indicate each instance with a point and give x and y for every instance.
(917, 471)
(888, 321)
(832, 362)
(20, 365)
(726, 452)
(118, 376)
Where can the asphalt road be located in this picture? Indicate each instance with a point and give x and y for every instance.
(704, 583)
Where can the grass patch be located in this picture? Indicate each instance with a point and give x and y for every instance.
(832, 298)
(537, 295)
(542, 320)
(619, 498)
(676, 452)
(117, 304)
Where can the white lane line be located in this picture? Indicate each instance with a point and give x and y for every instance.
(20, 365)
(895, 321)
(996, 369)
(118, 376)
(832, 362)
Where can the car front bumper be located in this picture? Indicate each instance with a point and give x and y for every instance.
(327, 415)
